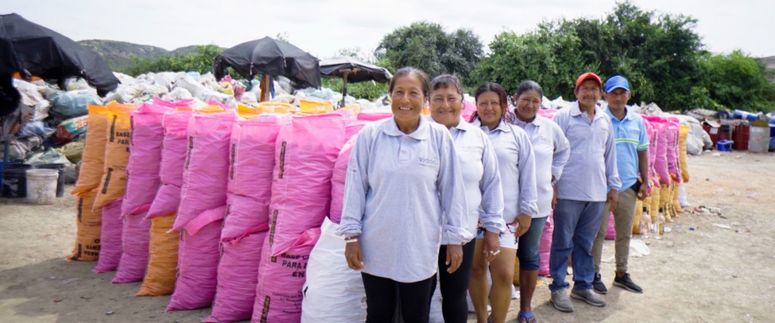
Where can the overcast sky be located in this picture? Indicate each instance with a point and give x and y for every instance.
(323, 27)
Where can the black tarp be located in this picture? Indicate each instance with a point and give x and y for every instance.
(356, 71)
(32, 49)
(272, 56)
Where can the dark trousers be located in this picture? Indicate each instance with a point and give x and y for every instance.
(454, 287)
(383, 294)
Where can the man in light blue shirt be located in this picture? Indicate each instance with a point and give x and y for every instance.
(588, 181)
(632, 144)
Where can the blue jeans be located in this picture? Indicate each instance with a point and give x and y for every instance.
(529, 245)
(575, 226)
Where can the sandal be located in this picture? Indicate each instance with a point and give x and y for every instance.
(526, 317)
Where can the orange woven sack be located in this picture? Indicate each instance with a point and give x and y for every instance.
(87, 237)
(93, 151)
(116, 154)
(163, 258)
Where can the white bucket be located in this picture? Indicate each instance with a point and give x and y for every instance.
(42, 185)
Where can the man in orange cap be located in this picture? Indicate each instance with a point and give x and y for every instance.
(589, 180)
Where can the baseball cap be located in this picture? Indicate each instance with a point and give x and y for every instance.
(588, 76)
(616, 82)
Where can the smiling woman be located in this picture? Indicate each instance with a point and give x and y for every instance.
(483, 192)
(403, 193)
(516, 165)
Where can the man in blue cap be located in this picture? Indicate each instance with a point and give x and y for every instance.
(631, 160)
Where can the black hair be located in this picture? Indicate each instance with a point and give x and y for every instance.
(499, 90)
(528, 85)
(444, 81)
(406, 71)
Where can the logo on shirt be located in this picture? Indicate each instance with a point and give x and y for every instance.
(428, 161)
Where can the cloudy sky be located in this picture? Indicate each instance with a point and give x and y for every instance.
(323, 27)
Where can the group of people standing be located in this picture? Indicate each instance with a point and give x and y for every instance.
(458, 199)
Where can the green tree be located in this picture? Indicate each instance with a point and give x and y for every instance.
(738, 81)
(426, 46)
(658, 54)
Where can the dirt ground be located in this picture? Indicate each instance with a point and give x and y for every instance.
(709, 268)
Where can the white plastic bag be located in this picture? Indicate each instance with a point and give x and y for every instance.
(333, 292)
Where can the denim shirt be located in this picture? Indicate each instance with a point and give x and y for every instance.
(402, 192)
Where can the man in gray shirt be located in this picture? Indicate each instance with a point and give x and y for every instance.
(590, 179)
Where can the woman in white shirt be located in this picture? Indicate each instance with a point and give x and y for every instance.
(403, 192)
(551, 150)
(483, 192)
(516, 166)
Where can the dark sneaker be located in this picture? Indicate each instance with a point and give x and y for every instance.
(598, 285)
(588, 296)
(627, 283)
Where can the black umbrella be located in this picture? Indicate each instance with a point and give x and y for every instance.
(32, 49)
(352, 70)
(269, 56)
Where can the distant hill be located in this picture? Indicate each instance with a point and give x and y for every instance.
(118, 54)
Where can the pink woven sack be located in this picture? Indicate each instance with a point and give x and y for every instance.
(545, 248)
(238, 278)
(198, 257)
(173, 156)
(281, 278)
(110, 238)
(301, 190)
(338, 180)
(611, 232)
(142, 183)
(374, 116)
(206, 167)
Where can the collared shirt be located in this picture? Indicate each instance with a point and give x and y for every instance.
(516, 165)
(631, 138)
(402, 192)
(551, 150)
(591, 169)
(484, 193)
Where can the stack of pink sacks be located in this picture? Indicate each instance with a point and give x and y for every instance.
(202, 209)
(142, 184)
(173, 157)
(247, 217)
(306, 152)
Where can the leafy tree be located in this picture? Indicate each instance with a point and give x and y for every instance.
(425, 45)
(738, 81)
(658, 54)
(201, 61)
